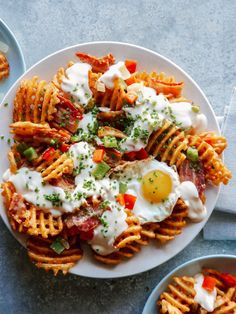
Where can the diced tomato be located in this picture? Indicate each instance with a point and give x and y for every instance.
(48, 153)
(131, 65)
(120, 199)
(131, 97)
(129, 200)
(64, 147)
(98, 155)
(209, 283)
(88, 235)
(130, 81)
(228, 279)
(136, 155)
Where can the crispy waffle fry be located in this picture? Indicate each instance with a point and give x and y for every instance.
(215, 171)
(4, 67)
(161, 83)
(169, 228)
(218, 142)
(109, 131)
(61, 73)
(44, 257)
(35, 101)
(168, 144)
(126, 243)
(55, 167)
(37, 133)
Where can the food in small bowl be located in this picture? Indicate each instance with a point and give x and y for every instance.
(107, 156)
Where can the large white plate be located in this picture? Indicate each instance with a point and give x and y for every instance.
(152, 255)
(224, 263)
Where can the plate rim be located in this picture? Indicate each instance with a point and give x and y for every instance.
(180, 267)
(173, 64)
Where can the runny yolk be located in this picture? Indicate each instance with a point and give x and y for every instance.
(156, 186)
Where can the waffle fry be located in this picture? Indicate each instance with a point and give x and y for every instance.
(55, 167)
(4, 67)
(109, 131)
(35, 101)
(215, 171)
(169, 228)
(168, 144)
(219, 143)
(44, 257)
(161, 83)
(61, 73)
(37, 133)
(126, 243)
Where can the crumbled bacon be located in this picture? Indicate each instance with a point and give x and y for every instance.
(17, 208)
(195, 174)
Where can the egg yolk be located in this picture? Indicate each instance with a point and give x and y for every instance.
(156, 186)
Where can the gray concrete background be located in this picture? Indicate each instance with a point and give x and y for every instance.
(199, 36)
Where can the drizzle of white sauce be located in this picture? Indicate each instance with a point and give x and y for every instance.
(76, 83)
(203, 297)
(116, 70)
(196, 210)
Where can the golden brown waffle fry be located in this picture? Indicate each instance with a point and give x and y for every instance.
(169, 228)
(218, 142)
(215, 170)
(168, 144)
(35, 101)
(126, 243)
(109, 131)
(35, 133)
(4, 67)
(61, 73)
(44, 257)
(114, 99)
(55, 167)
(161, 83)
(15, 159)
(180, 296)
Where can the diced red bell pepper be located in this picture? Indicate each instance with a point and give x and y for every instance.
(64, 147)
(86, 236)
(209, 283)
(129, 200)
(228, 279)
(131, 65)
(130, 80)
(48, 153)
(136, 155)
(98, 155)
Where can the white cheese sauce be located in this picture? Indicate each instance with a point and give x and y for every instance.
(76, 83)
(116, 70)
(87, 126)
(151, 110)
(203, 297)
(196, 210)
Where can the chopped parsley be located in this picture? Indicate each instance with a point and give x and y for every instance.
(54, 198)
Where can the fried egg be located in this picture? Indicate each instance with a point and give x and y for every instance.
(155, 186)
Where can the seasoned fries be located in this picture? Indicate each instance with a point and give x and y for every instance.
(4, 67)
(110, 157)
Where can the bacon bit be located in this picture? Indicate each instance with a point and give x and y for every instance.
(136, 155)
(98, 64)
(196, 175)
(209, 283)
(131, 65)
(64, 147)
(229, 280)
(110, 131)
(17, 208)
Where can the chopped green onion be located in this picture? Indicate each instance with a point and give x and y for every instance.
(192, 154)
(74, 138)
(101, 169)
(59, 245)
(122, 187)
(21, 147)
(30, 154)
(195, 109)
(110, 141)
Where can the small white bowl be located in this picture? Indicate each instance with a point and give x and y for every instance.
(224, 263)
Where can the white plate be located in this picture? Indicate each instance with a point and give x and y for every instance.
(224, 263)
(152, 255)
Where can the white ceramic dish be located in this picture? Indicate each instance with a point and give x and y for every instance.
(224, 263)
(152, 255)
(14, 56)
